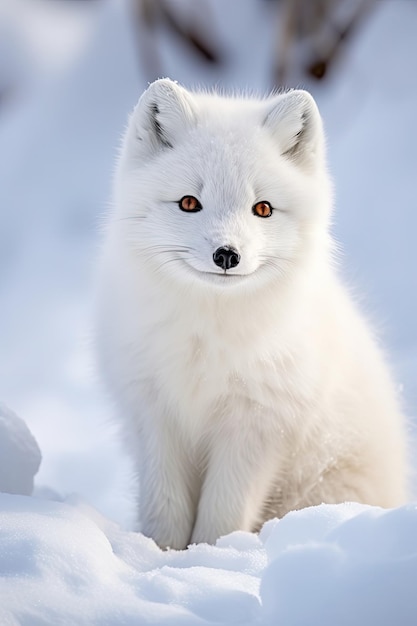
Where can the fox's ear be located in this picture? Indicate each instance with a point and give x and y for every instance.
(164, 111)
(295, 123)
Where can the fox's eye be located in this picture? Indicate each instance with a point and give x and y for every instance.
(262, 209)
(190, 204)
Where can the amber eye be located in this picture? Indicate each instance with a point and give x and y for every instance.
(262, 209)
(190, 204)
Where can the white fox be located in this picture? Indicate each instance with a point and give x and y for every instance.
(247, 383)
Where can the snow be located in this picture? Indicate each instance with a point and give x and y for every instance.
(20, 456)
(331, 564)
(67, 562)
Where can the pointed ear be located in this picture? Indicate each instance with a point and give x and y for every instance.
(164, 111)
(295, 123)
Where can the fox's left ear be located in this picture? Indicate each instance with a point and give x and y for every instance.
(162, 114)
(295, 123)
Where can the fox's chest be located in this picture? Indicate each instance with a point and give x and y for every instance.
(201, 374)
(198, 369)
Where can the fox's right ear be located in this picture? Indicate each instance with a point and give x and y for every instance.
(163, 113)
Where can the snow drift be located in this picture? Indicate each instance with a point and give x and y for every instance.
(20, 456)
(62, 563)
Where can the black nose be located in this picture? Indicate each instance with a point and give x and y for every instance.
(226, 258)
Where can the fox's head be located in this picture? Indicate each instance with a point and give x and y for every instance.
(223, 190)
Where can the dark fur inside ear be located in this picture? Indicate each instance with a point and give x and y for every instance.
(157, 126)
(300, 137)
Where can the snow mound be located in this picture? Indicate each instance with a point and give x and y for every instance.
(62, 563)
(20, 456)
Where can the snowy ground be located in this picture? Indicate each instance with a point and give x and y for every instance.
(345, 565)
(64, 563)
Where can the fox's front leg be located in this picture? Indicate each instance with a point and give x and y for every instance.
(167, 487)
(243, 463)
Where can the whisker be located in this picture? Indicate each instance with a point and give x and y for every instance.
(132, 217)
(166, 248)
(274, 257)
(172, 260)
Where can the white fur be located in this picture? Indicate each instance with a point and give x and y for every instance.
(243, 396)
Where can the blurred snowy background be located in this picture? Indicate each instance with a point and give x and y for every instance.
(70, 72)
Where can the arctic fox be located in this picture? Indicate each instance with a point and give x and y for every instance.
(247, 382)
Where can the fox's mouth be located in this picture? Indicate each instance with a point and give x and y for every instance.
(222, 274)
(217, 278)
